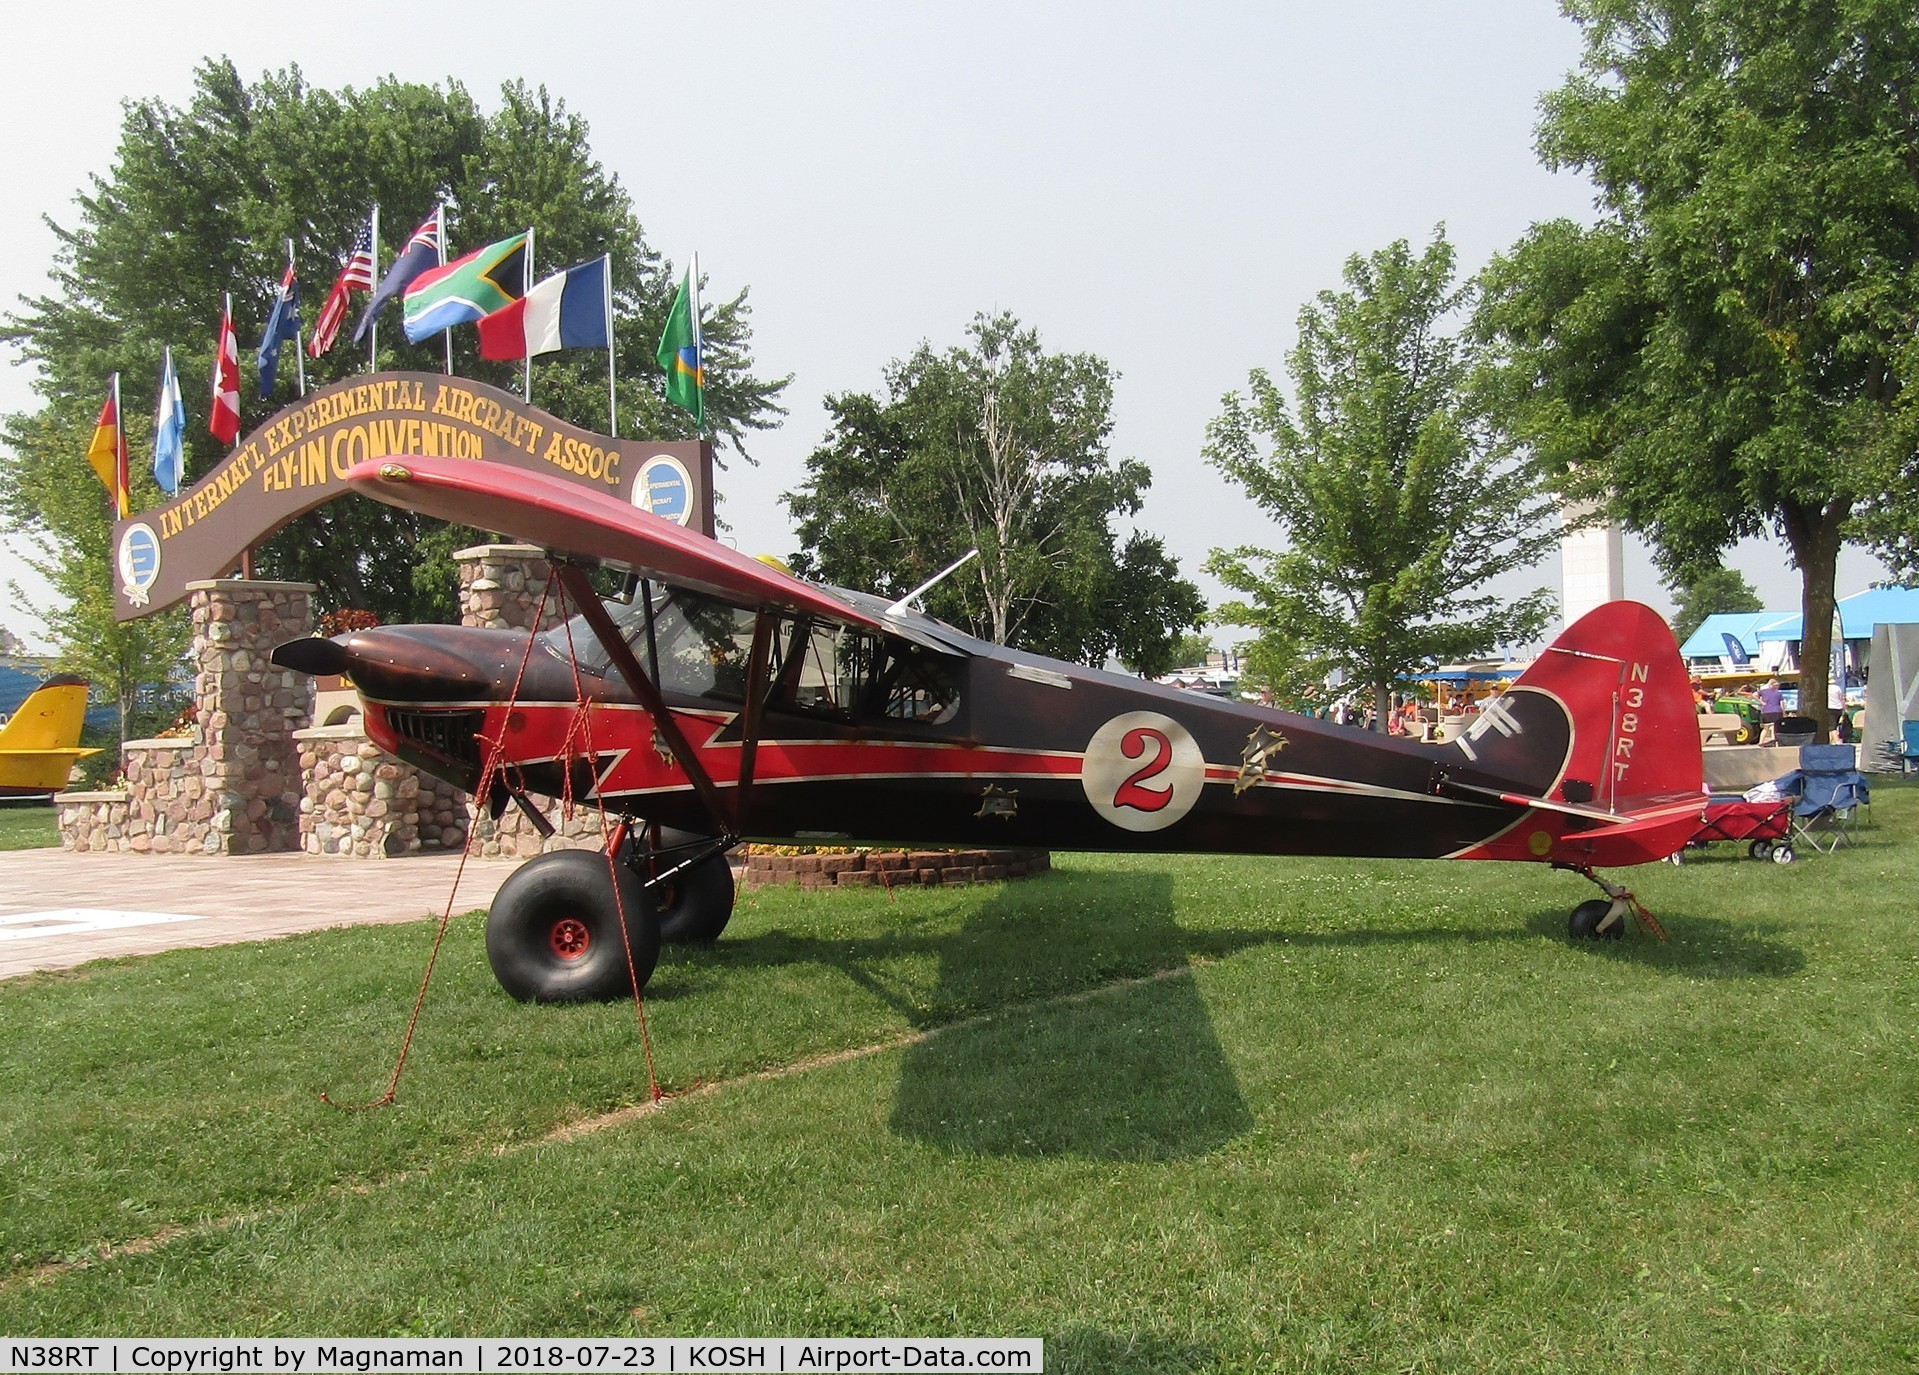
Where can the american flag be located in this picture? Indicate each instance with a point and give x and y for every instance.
(355, 275)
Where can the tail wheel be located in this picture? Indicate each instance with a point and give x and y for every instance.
(553, 932)
(1586, 917)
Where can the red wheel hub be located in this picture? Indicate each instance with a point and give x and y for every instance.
(569, 938)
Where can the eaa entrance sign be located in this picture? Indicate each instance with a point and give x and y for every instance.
(297, 460)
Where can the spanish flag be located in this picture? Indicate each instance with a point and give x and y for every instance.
(108, 453)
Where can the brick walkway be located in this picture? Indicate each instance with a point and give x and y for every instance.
(99, 905)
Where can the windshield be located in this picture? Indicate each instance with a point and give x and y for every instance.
(703, 644)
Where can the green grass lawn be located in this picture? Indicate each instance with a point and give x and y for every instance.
(1169, 1113)
(25, 826)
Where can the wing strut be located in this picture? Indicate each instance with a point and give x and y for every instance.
(756, 692)
(581, 591)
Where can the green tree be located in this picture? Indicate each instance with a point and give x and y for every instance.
(1728, 351)
(126, 659)
(999, 446)
(201, 201)
(1397, 498)
(1192, 649)
(1710, 592)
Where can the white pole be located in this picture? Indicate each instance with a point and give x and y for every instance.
(373, 335)
(699, 340)
(612, 396)
(120, 463)
(299, 349)
(439, 213)
(526, 285)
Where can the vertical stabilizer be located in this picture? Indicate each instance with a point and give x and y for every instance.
(1601, 732)
(50, 719)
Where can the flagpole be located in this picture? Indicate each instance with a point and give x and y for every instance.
(373, 335)
(121, 477)
(612, 396)
(299, 349)
(526, 285)
(439, 213)
(699, 341)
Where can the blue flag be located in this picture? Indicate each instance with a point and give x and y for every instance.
(421, 252)
(283, 327)
(169, 430)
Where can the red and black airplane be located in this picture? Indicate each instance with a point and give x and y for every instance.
(727, 700)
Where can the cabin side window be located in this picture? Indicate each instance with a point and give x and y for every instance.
(837, 670)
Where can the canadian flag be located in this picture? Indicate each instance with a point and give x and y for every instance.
(224, 420)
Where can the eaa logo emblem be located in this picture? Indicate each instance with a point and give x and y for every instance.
(139, 561)
(665, 489)
(1143, 771)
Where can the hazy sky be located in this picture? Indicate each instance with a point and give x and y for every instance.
(1162, 185)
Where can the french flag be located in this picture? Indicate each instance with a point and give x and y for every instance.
(569, 310)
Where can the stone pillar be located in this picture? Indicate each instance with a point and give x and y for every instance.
(500, 587)
(248, 711)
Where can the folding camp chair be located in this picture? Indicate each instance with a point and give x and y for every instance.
(1827, 790)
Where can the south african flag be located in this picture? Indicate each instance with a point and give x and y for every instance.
(467, 288)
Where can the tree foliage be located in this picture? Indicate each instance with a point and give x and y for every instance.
(1397, 498)
(126, 661)
(1710, 592)
(1729, 349)
(202, 200)
(1000, 446)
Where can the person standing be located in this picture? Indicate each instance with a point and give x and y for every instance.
(1772, 710)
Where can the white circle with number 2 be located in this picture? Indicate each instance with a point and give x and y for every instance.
(1143, 771)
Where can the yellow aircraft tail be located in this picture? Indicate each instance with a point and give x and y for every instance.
(40, 742)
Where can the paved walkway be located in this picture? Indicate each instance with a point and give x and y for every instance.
(59, 909)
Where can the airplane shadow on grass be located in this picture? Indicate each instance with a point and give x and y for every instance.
(1130, 1071)
(1696, 946)
(1068, 1022)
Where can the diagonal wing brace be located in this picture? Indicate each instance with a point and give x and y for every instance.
(621, 655)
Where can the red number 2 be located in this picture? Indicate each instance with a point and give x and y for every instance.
(1131, 794)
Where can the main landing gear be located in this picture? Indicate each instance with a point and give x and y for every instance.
(569, 927)
(1605, 918)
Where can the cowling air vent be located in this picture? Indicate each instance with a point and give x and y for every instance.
(449, 734)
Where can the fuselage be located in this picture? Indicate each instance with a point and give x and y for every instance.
(926, 737)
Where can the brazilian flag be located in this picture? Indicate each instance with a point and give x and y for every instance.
(680, 355)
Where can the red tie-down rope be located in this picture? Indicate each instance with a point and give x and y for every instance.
(611, 841)
(489, 771)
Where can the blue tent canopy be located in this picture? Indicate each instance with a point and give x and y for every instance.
(1747, 627)
(1858, 614)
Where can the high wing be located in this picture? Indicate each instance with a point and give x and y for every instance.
(567, 518)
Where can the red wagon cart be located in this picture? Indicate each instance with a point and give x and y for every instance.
(1765, 826)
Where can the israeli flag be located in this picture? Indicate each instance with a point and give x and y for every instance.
(169, 430)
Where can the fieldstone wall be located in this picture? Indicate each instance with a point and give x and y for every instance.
(360, 801)
(514, 837)
(249, 710)
(233, 786)
(893, 868)
(501, 585)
